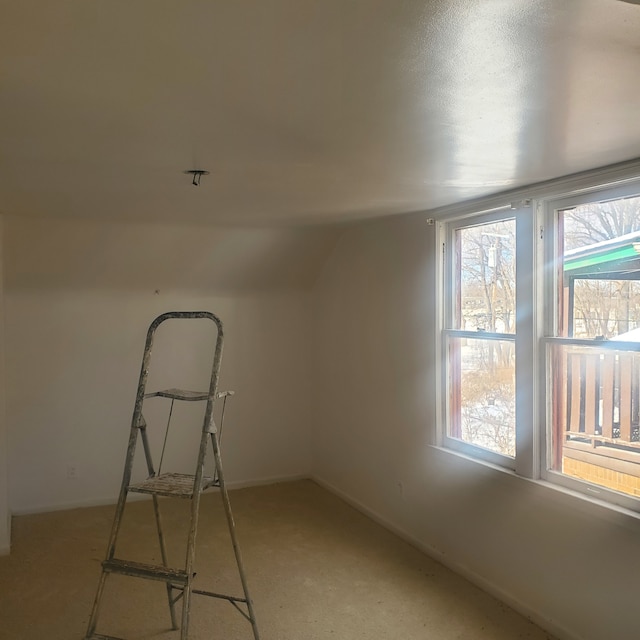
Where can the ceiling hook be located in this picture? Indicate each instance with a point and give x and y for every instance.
(197, 174)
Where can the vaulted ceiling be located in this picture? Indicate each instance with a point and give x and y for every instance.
(306, 111)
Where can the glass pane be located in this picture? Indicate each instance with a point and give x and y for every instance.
(482, 385)
(599, 274)
(595, 415)
(606, 309)
(486, 277)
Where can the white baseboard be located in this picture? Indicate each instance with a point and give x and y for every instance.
(135, 497)
(258, 482)
(75, 504)
(548, 625)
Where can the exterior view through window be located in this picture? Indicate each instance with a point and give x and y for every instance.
(481, 340)
(594, 373)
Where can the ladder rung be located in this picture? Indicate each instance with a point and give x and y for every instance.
(149, 571)
(220, 596)
(178, 485)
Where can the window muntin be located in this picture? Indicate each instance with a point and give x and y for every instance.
(480, 339)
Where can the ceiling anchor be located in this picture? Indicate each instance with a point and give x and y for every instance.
(197, 174)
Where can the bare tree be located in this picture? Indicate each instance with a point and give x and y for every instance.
(486, 287)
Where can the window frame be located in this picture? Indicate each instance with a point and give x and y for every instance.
(551, 206)
(535, 209)
(448, 331)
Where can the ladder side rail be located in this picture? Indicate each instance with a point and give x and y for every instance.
(207, 428)
(136, 422)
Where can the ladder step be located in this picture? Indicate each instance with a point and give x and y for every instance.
(178, 485)
(149, 571)
(179, 394)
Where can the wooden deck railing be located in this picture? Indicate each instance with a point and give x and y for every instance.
(602, 399)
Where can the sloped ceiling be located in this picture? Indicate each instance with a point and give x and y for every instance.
(306, 111)
(52, 254)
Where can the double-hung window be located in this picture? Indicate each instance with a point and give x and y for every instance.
(479, 338)
(592, 342)
(540, 340)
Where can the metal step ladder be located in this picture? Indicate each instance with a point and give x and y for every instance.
(179, 581)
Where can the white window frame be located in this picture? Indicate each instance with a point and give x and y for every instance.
(535, 210)
(508, 212)
(551, 206)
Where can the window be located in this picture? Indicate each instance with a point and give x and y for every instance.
(540, 338)
(480, 336)
(593, 348)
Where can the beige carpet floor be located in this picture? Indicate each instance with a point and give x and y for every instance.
(317, 570)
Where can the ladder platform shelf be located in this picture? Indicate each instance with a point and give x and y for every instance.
(189, 396)
(179, 485)
(178, 581)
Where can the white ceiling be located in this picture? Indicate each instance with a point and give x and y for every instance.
(306, 111)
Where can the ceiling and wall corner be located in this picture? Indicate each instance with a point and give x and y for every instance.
(44, 253)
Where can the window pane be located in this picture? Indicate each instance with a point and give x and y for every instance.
(486, 277)
(599, 274)
(482, 385)
(596, 414)
(606, 309)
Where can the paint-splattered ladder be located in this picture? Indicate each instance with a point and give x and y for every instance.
(179, 581)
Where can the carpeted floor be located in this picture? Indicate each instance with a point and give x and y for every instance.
(317, 569)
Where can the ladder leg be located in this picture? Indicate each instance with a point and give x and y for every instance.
(191, 541)
(163, 553)
(186, 606)
(93, 620)
(115, 528)
(232, 532)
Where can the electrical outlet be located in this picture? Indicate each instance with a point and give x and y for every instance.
(72, 472)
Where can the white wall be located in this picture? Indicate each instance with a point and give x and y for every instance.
(5, 517)
(569, 564)
(79, 299)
